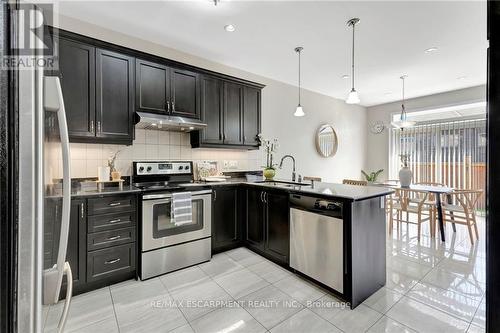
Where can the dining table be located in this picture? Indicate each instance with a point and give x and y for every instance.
(438, 191)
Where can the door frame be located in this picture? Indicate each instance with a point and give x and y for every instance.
(493, 171)
(8, 180)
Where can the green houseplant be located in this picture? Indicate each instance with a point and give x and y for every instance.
(372, 176)
(270, 147)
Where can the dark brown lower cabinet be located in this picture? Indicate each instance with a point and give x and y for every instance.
(255, 218)
(267, 223)
(101, 242)
(226, 227)
(277, 242)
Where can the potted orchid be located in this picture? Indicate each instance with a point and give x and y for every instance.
(270, 147)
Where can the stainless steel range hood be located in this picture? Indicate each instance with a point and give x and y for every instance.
(160, 122)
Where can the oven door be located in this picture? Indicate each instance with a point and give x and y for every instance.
(159, 230)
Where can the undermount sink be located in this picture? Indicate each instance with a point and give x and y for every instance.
(284, 184)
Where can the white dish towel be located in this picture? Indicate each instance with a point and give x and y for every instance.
(182, 208)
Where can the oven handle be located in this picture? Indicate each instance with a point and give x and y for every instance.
(169, 195)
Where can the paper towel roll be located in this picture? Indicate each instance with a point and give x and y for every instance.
(103, 173)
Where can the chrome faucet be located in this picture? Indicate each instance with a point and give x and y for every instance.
(293, 160)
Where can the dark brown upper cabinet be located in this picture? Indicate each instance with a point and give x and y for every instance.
(251, 116)
(166, 90)
(232, 133)
(184, 93)
(114, 95)
(77, 74)
(98, 93)
(211, 110)
(152, 87)
(232, 113)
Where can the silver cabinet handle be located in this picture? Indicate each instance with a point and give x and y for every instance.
(168, 106)
(265, 197)
(215, 195)
(92, 126)
(114, 221)
(99, 126)
(114, 261)
(81, 210)
(113, 204)
(114, 238)
(173, 106)
(262, 196)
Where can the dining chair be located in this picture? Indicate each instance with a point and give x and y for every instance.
(400, 204)
(461, 210)
(355, 182)
(431, 200)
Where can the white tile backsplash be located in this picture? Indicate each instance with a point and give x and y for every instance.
(149, 145)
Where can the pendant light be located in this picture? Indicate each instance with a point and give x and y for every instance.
(353, 97)
(299, 112)
(403, 121)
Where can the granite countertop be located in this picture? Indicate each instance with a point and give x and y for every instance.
(331, 190)
(350, 192)
(89, 191)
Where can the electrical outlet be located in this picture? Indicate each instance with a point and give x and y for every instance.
(233, 164)
(225, 163)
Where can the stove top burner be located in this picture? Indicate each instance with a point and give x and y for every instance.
(156, 186)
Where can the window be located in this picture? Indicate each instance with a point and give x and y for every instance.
(452, 153)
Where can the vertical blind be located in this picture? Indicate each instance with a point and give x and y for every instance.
(452, 153)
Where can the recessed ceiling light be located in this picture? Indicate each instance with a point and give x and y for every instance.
(461, 77)
(229, 28)
(345, 76)
(431, 49)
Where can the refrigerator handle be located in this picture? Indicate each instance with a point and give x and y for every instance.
(53, 102)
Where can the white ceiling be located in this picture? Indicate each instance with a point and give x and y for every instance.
(390, 40)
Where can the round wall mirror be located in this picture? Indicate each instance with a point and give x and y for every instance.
(326, 141)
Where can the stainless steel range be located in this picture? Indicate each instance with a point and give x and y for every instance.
(171, 240)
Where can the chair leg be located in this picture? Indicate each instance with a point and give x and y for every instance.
(391, 221)
(419, 226)
(475, 225)
(469, 227)
(432, 222)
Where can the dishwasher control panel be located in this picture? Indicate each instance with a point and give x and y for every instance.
(318, 205)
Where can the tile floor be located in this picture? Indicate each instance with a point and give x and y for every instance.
(431, 287)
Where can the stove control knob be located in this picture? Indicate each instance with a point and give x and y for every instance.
(187, 167)
(141, 169)
(148, 169)
(181, 167)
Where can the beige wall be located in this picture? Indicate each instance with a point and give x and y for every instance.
(296, 135)
(378, 144)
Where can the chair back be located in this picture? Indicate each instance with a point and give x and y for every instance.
(430, 184)
(355, 182)
(466, 198)
(405, 196)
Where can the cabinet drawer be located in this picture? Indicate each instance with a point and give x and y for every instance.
(100, 240)
(111, 204)
(108, 262)
(111, 221)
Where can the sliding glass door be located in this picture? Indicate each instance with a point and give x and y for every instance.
(451, 153)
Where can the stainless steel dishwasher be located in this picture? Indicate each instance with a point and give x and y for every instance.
(317, 239)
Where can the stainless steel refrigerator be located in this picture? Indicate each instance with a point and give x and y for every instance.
(42, 238)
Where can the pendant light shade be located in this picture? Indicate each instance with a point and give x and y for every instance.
(353, 97)
(299, 112)
(403, 121)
